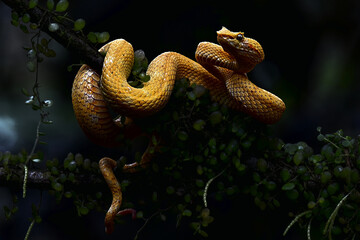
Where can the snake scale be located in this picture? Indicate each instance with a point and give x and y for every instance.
(222, 69)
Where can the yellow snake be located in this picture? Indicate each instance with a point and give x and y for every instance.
(222, 69)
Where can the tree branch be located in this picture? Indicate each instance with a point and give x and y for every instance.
(74, 41)
(40, 179)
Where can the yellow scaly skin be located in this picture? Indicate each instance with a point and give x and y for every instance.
(222, 69)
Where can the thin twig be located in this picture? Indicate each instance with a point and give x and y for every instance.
(148, 219)
(295, 220)
(29, 229)
(330, 221)
(208, 184)
(308, 231)
(29, 157)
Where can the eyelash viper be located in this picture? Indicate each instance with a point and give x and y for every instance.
(222, 69)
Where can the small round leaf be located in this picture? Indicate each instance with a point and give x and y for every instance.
(288, 186)
(61, 6)
(33, 3)
(79, 24)
(50, 4)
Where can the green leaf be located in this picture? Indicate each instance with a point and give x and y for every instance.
(57, 186)
(62, 6)
(50, 53)
(31, 66)
(33, 26)
(199, 125)
(212, 142)
(285, 174)
(320, 137)
(154, 140)
(44, 42)
(143, 77)
(260, 203)
(15, 22)
(33, 3)
(292, 194)
(182, 135)
(103, 37)
(199, 183)
(311, 204)
(14, 210)
(187, 213)
(301, 170)
(83, 210)
(26, 18)
(333, 188)
(298, 157)
(316, 158)
(271, 185)
(50, 4)
(24, 28)
(346, 143)
(170, 190)
(79, 24)
(203, 233)
(92, 37)
(7, 212)
(325, 177)
(288, 186)
(262, 165)
(215, 117)
(14, 16)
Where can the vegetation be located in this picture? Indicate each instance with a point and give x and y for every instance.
(207, 153)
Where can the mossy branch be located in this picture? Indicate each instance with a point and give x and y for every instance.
(11, 177)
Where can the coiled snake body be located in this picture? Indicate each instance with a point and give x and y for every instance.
(219, 68)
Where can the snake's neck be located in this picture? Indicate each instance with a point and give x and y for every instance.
(219, 58)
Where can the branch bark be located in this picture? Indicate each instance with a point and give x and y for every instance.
(40, 179)
(74, 41)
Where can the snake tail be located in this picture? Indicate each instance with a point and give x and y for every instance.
(106, 166)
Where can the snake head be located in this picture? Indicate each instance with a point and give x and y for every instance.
(242, 48)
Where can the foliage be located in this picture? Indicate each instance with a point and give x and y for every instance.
(206, 152)
(200, 140)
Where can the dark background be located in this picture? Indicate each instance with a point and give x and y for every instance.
(312, 54)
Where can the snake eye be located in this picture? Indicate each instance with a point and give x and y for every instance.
(240, 37)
